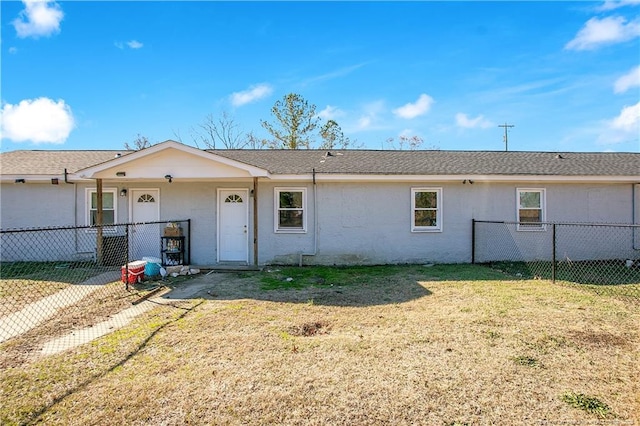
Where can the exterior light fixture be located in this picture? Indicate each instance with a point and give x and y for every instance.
(121, 174)
(123, 192)
(19, 181)
(169, 178)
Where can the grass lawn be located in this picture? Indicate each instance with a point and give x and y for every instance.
(22, 283)
(441, 345)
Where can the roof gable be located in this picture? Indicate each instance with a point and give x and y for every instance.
(175, 159)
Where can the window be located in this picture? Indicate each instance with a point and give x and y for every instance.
(146, 198)
(108, 206)
(290, 206)
(531, 209)
(426, 209)
(233, 198)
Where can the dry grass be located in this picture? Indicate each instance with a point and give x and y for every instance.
(15, 294)
(415, 346)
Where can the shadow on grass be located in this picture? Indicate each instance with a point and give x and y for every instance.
(62, 272)
(34, 417)
(603, 277)
(332, 286)
(601, 272)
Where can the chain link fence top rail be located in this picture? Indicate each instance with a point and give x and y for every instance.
(63, 286)
(606, 257)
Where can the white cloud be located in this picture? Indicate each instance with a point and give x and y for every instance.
(597, 32)
(624, 127)
(364, 122)
(330, 112)
(134, 44)
(615, 4)
(413, 110)
(252, 94)
(38, 18)
(627, 81)
(462, 120)
(39, 120)
(369, 118)
(628, 120)
(13, 50)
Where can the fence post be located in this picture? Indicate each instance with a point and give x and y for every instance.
(473, 241)
(126, 261)
(553, 253)
(189, 241)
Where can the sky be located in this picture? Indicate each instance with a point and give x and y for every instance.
(97, 75)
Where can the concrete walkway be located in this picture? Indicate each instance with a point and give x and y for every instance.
(86, 335)
(35, 313)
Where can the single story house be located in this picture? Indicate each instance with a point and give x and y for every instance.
(318, 207)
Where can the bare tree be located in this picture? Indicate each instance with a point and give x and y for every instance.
(253, 142)
(296, 119)
(411, 143)
(220, 133)
(141, 142)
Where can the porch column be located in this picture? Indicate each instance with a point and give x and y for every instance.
(255, 221)
(99, 240)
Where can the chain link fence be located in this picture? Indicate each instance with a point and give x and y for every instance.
(603, 257)
(60, 287)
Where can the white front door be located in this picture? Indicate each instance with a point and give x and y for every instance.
(233, 224)
(144, 240)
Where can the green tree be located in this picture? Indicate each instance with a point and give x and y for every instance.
(333, 137)
(296, 120)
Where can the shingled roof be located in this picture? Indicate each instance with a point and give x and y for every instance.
(368, 162)
(361, 162)
(24, 162)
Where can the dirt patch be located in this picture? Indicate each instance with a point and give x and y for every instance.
(310, 329)
(598, 339)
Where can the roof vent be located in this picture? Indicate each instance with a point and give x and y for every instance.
(118, 155)
(559, 156)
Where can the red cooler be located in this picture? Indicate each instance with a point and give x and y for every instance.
(136, 271)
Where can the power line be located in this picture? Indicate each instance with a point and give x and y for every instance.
(506, 138)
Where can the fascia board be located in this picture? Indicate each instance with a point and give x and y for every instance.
(115, 162)
(71, 177)
(453, 178)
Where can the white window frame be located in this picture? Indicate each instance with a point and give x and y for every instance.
(276, 211)
(438, 209)
(543, 210)
(88, 193)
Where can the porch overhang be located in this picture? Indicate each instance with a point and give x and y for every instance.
(175, 161)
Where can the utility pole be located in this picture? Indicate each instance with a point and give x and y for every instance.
(506, 138)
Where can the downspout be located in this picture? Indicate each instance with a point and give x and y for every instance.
(315, 221)
(634, 231)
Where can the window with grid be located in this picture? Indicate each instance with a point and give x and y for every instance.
(108, 206)
(290, 206)
(531, 208)
(426, 209)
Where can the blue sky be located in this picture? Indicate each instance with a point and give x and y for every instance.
(94, 75)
